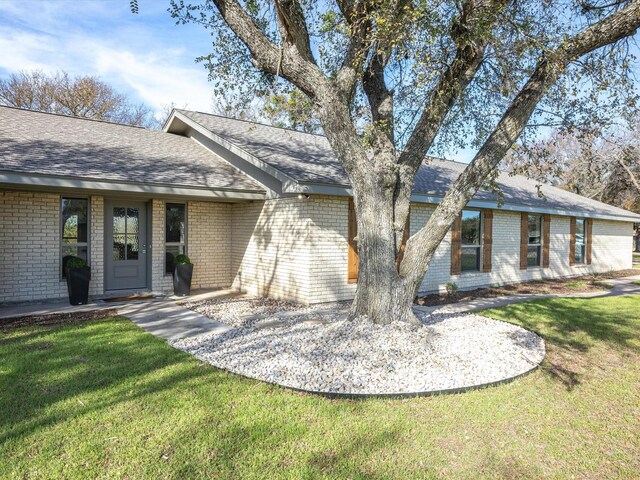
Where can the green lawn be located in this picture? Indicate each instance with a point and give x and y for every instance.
(103, 399)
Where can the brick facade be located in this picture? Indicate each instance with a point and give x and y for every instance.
(289, 248)
(271, 248)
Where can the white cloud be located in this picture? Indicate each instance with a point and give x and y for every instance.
(135, 57)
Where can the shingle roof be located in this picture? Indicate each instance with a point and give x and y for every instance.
(309, 158)
(42, 143)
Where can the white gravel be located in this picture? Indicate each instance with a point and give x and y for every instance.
(319, 350)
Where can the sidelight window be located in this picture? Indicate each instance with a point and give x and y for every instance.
(74, 213)
(175, 234)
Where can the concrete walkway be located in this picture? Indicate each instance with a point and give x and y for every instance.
(620, 286)
(163, 317)
(166, 319)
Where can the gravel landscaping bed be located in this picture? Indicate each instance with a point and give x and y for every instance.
(559, 286)
(321, 351)
(245, 312)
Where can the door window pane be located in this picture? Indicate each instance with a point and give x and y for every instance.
(132, 247)
(119, 247)
(132, 221)
(119, 220)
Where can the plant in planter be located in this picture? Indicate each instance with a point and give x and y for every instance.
(78, 275)
(182, 275)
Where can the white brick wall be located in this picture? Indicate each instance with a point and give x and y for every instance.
(289, 248)
(30, 246)
(96, 245)
(328, 242)
(209, 243)
(159, 281)
(271, 248)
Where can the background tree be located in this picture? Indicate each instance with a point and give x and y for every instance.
(392, 80)
(605, 168)
(291, 110)
(79, 96)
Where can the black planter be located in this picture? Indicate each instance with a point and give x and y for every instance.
(78, 285)
(182, 279)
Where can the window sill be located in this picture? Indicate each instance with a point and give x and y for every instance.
(472, 273)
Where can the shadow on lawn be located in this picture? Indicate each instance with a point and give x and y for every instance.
(577, 323)
(55, 363)
(572, 327)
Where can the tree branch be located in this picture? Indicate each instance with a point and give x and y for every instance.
(294, 28)
(291, 64)
(618, 25)
(468, 35)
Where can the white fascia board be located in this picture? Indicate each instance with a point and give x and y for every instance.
(243, 154)
(167, 122)
(60, 182)
(567, 212)
(342, 190)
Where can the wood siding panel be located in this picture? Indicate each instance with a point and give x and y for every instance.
(546, 239)
(487, 239)
(572, 241)
(456, 246)
(353, 246)
(589, 240)
(524, 240)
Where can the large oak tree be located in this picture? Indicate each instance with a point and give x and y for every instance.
(394, 80)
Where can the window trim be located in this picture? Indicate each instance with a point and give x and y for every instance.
(582, 246)
(186, 233)
(61, 244)
(478, 246)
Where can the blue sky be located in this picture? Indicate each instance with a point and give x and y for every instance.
(146, 56)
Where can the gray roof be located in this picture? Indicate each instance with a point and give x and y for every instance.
(57, 145)
(308, 158)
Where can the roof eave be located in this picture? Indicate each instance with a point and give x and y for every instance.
(311, 188)
(39, 181)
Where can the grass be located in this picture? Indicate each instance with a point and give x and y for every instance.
(103, 399)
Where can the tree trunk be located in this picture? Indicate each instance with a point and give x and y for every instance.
(382, 295)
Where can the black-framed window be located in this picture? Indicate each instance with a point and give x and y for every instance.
(74, 231)
(581, 233)
(471, 240)
(175, 233)
(534, 253)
